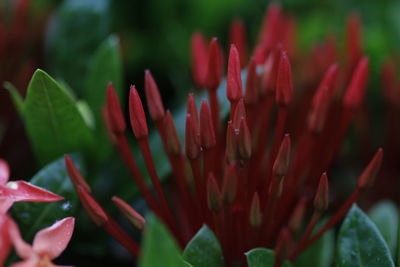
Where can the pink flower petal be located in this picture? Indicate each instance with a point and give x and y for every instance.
(53, 240)
(23, 191)
(5, 203)
(5, 243)
(4, 172)
(23, 249)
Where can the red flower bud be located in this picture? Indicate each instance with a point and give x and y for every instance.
(173, 145)
(130, 213)
(153, 98)
(214, 71)
(199, 59)
(136, 113)
(367, 178)
(192, 144)
(282, 160)
(244, 141)
(356, 90)
(207, 132)
(252, 83)
(214, 200)
(116, 118)
(237, 36)
(284, 87)
(234, 79)
(76, 177)
(255, 211)
(321, 199)
(95, 211)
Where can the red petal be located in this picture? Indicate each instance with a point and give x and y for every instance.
(5, 244)
(53, 240)
(4, 172)
(23, 191)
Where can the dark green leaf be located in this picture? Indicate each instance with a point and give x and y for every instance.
(385, 216)
(204, 249)
(320, 254)
(33, 216)
(159, 248)
(262, 257)
(74, 34)
(360, 243)
(54, 124)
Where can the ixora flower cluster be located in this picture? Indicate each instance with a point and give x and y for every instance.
(256, 174)
(48, 243)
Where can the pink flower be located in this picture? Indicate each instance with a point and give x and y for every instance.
(47, 245)
(14, 191)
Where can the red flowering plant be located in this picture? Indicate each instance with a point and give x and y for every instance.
(48, 243)
(257, 175)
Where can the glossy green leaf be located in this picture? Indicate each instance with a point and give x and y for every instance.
(15, 96)
(385, 216)
(74, 34)
(33, 216)
(320, 254)
(105, 67)
(360, 243)
(204, 249)
(159, 248)
(54, 124)
(262, 257)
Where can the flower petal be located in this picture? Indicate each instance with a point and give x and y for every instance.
(5, 203)
(5, 243)
(4, 172)
(23, 191)
(53, 240)
(23, 249)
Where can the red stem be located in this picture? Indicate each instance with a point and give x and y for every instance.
(145, 148)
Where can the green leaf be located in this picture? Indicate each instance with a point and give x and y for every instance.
(54, 124)
(320, 254)
(33, 216)
(262, 257)
(204, 249)
(360, 243)
(159, 248)
(385, 216)
(74, 34)
(15, 96)
(105, 67)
